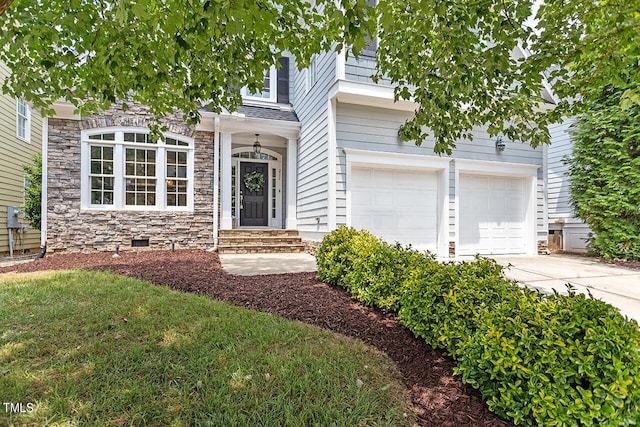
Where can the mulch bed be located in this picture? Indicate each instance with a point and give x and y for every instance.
(439, 398)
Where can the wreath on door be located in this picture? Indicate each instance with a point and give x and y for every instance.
(253, 181)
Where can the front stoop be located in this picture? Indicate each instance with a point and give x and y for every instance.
(253, 241)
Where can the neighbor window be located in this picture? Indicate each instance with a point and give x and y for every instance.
(312, 73)
(23, 120)
(131, 170)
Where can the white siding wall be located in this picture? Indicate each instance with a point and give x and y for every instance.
(368, 128)
(311, 108)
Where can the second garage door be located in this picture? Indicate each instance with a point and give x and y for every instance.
(397, 205)
(492, 215)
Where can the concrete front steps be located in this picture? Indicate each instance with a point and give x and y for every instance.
(254, 241)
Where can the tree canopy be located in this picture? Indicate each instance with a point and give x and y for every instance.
(466, 62)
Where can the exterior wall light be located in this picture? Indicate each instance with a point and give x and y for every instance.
(500, 145)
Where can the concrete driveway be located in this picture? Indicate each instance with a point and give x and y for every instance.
(616, 285)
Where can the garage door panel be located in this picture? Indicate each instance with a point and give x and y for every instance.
(397, 205)
(492, 215)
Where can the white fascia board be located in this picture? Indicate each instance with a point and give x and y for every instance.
(483, 167)
(390, 159)
(65, 110)
(373, 95)
(236, 124)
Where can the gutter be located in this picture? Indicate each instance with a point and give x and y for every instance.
(43, 201)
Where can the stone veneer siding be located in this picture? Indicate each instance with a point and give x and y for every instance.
(72, 229)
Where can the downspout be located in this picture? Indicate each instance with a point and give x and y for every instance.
(43, 201)
(216, 181)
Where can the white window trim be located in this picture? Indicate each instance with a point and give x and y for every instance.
(118, 168)
(27, 118)
(273, 89)
(390, 160)
(516, 170)
(312, 73)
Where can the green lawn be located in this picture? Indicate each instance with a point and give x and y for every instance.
(93, 348)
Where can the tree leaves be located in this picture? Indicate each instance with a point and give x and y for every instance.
(468, 63)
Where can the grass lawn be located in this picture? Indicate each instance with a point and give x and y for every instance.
(94, 348)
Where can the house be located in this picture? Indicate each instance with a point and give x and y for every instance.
(567, 233)
(315, 149)
(20, 139)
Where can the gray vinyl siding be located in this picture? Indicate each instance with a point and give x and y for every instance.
(361, 69)
(376, 129)
(558, 181)
(312, 110)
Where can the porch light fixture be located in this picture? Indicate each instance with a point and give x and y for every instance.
(256, 145)
(500, 145)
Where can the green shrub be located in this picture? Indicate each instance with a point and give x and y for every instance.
(372, 270)
(334, 255)
(380, 270)
(442, 302)
(537, 359)
(555, 360)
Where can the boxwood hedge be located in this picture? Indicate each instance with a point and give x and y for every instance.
(556, 360)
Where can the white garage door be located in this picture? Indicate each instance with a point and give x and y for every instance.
(397, 205)
(492, 215)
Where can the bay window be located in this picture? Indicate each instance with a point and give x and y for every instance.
(130, 170)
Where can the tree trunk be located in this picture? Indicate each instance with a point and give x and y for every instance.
(4, 5)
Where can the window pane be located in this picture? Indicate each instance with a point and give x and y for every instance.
(129, 169)
(182, 171)
(182, 200)
(96, 197)
(107, 153)
(107, 168)
(130, 185)
(130, 198)
(171, 171)
(109, 137)
(140, 199)
(182, 186)
(171, 200)
(96, 152)
(108, 183)
(96, 167)
(129, 137)
(140, 169)
(182, 158)
(95, 183)
(151, 170)
(141, 155)
(108, 198)
(131, 154)
(151, 156)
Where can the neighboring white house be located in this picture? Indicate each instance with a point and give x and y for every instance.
(566, 232)
(329, 156)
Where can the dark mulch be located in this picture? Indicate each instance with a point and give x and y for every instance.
(439, 398)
